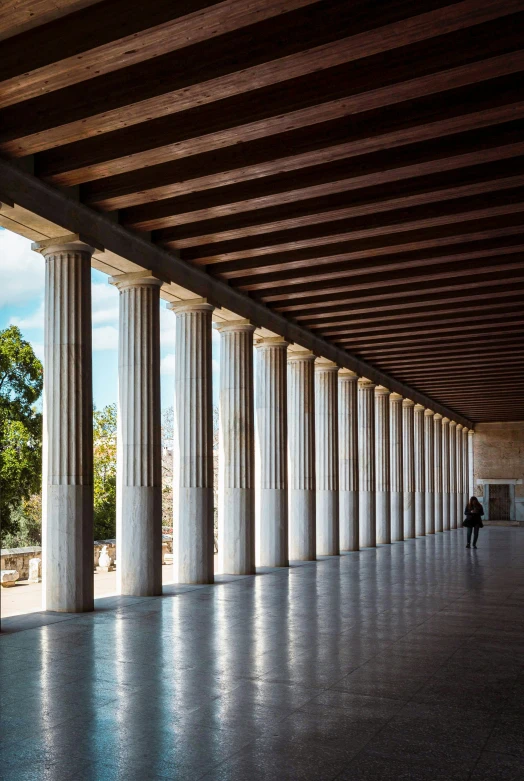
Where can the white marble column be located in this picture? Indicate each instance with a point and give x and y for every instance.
(396, 468)
(139, 441)
(445, 475)
(452, 474)
(408, 470)
(326, 441)
(459, 496)
(471, 463)
(67, 448)
(382, 467)
(437, 472)
(465, 467)
(366, 463)
(301, 447)
(193, 543)
(348, 464)
(420, 471)
(271, 416)
(236, 463)
(430, 470)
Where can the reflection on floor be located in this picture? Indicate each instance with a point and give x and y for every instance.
(404, 662)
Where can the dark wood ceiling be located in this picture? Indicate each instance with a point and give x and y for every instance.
(357, 166)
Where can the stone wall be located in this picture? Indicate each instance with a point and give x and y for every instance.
(499, 455)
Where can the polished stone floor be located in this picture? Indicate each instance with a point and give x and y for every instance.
(404, 662)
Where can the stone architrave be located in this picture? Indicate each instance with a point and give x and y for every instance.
(326, 441)
(139, 441)
(366, 463)
(236, 496)
(471, 462)
(420, 471)
(445, 475)
(382, 466)
(271, 417)
(437, 472)
(459, 495)
(396, 468)
(193, 534)
(429, 438)
(408, 460)
(348, 464)
(301, 445)
(67, 449)
(452, 474)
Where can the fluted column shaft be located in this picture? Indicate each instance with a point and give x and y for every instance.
(445, 475)
(437, 459)
(348, 463)
(301, 445)
(67, 451)
(326, 440)
(408, 470)
(236, 463)
(429, 438)
(452, 474)
(420, 471)
(193, 545)
(366, 463)
(459, 495)
(382, 466)
(396, 468)
(139, 446)
(271, 415)
(465, 467)
(471, 463)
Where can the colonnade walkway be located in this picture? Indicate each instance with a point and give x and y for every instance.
(404, 661)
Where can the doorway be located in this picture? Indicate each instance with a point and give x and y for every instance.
(499, 502)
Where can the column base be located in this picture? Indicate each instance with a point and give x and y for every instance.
(430, 513)
(272, 529)
(348, 521)
(409, 515)
(383, 517)
(302, 525)
(420, 514)
(139, 542)
(193, 547)
(328, 543)
(367, 519)
(397, 512)
(236, 532)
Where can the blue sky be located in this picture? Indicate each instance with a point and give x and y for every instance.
(22, 304)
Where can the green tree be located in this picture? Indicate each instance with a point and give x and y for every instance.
(104, 464)
(20, 426)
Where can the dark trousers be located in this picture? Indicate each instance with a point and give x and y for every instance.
(475, 536)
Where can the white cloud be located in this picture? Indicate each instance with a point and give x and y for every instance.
(167, 327)
(38, 348)
(33, 320)
(105, 338)
(167, 364)
(105, 304)
(22, 271)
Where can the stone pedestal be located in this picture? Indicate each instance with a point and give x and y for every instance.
(437, 458)
(396, 468)
(452, 474)
(459, 496)
(445, 475)
(35, 570)
(236, 496)
(326, 439)
(67, 450)
(271, 417)
(348, 464)
(430, 470)
(408, 471)
(366, 462)
(420, 471)
(382, 476)
(301, 434)
(139, 441)
(193, 543)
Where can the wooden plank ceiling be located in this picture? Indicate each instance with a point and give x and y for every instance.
(357, 166)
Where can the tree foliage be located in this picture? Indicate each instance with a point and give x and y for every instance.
(104, 477)
(20, 425)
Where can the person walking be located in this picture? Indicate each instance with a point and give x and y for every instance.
(473, 512)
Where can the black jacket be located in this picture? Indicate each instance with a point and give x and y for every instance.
(474, 518)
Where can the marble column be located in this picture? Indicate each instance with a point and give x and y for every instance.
(348, 464)
(452, 474)
(465, 466)
(430, 470)
(396, 468)
(420, 471)
(236, 462)
(139, 441)
(67, 448)
(271, 416)
(437, 472)
(459, 496)
(382, 466)
(445, 475)
(408, 470)
(301, 447)
(326, 441)
(193, 535)
(471, 463)
(366, 463)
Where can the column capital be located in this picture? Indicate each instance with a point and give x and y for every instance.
(445, 421)
(71, 242)
(191, 305)
(437, 416)
(453, 423)
(365, 384)
(136, 279)
(380, 390)
(300, 355)
(234, 326)
(459, 426)
(347, 375)
(395, 397)
(419, 408)
(408, 403)
(268, 342)
(428, 412)
(471, 432)
(324, 365)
